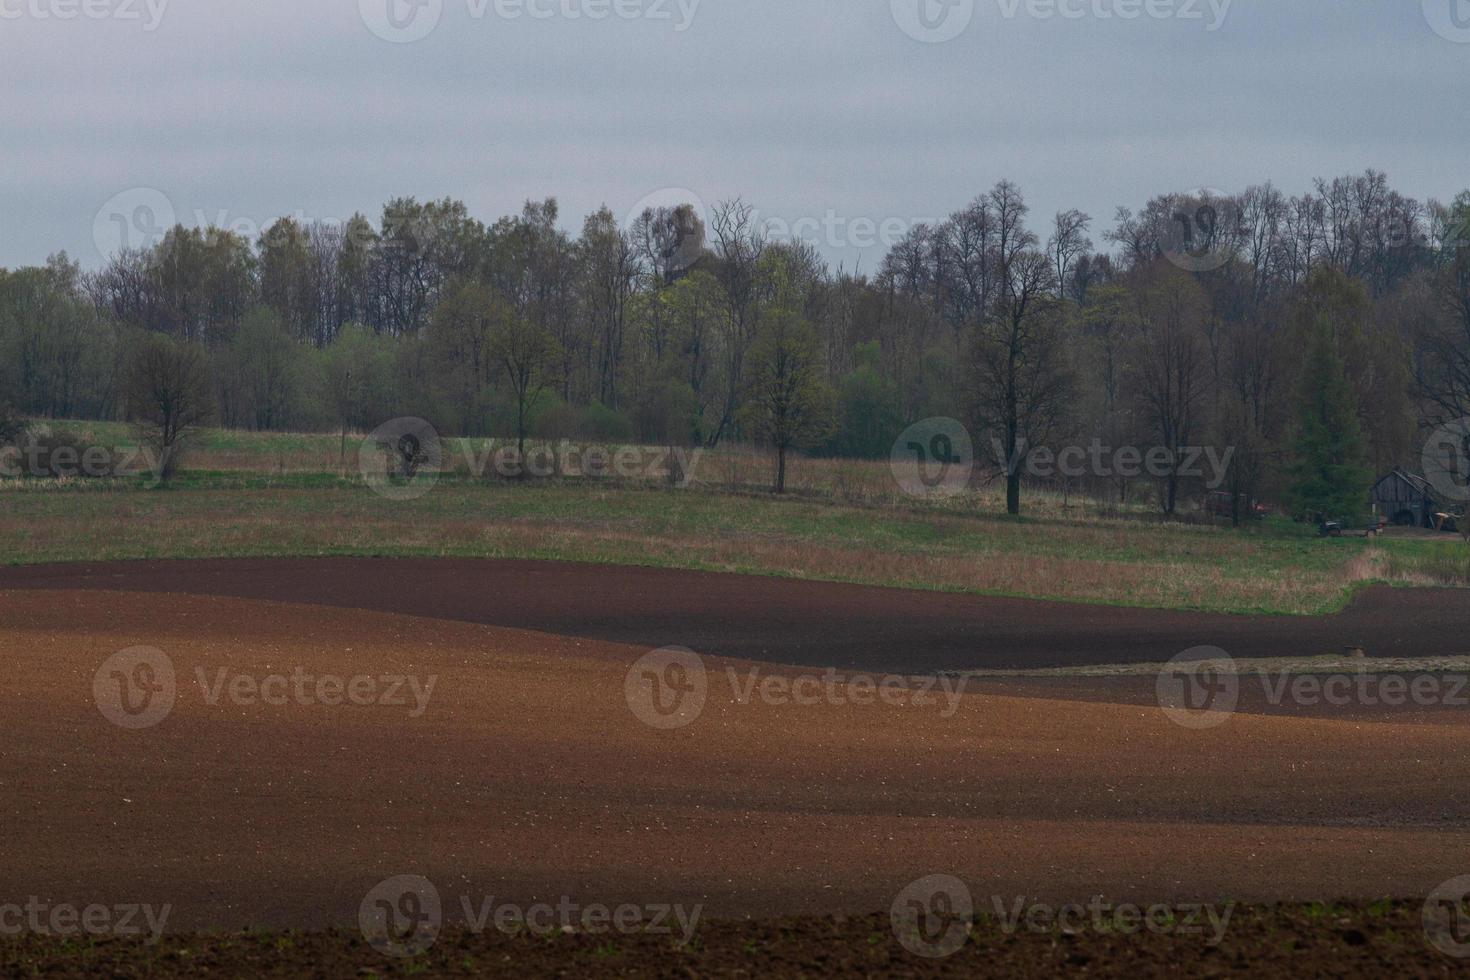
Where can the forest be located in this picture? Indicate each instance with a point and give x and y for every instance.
(1319, 338)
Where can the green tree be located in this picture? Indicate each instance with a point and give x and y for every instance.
(869, 409)
(284, 264)
(356, 369)
(790, 402)
(267, 362)
(1329, 479)
(460, 337)
(532, 359)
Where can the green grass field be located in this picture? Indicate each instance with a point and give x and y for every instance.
(257, 495)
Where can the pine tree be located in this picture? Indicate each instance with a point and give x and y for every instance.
(1329, 475)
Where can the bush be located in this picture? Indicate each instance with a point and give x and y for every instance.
(557, 420)
(603, 424)
(45, 453)
(166, 386)
(12, 426)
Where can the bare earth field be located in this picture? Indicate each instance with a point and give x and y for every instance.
(816, 624)
(523, 774)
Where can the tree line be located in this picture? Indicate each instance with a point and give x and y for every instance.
(1317, 336)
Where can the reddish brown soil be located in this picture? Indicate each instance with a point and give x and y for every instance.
(529, 779)
(783, 620)
(528, 776)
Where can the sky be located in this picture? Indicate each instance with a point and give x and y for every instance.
(843, 122)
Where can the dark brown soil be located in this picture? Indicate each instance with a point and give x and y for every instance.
(1286, 941)
(783, 620)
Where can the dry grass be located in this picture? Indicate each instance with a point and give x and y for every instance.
(1107, 561)
(265, 494)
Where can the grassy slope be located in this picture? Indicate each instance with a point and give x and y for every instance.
(280, 495)
(1120, 562)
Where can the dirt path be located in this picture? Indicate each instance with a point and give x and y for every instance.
(783, 620)
(528, 777)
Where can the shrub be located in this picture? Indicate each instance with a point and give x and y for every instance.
(12, 426)
(603, 424)
(45, 453)
(166, 386)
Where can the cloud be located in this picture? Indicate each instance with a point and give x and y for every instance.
(803, 108)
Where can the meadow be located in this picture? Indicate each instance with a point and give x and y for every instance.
(243, 494)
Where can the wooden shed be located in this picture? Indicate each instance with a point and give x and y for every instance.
(1402, 498)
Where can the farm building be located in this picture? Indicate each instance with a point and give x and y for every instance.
(1405, 499)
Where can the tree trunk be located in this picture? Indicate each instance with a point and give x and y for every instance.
(780, 469)
(1013, 491)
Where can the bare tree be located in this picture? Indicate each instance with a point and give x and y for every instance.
(1021, 378)
(1170, 368)
(611, 272)
(738, 246)
(1068, 242)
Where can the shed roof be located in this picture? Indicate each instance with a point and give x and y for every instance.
(1420, 485)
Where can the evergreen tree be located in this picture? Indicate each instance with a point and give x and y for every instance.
(1329, 478)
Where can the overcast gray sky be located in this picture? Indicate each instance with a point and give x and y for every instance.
(840, 112)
